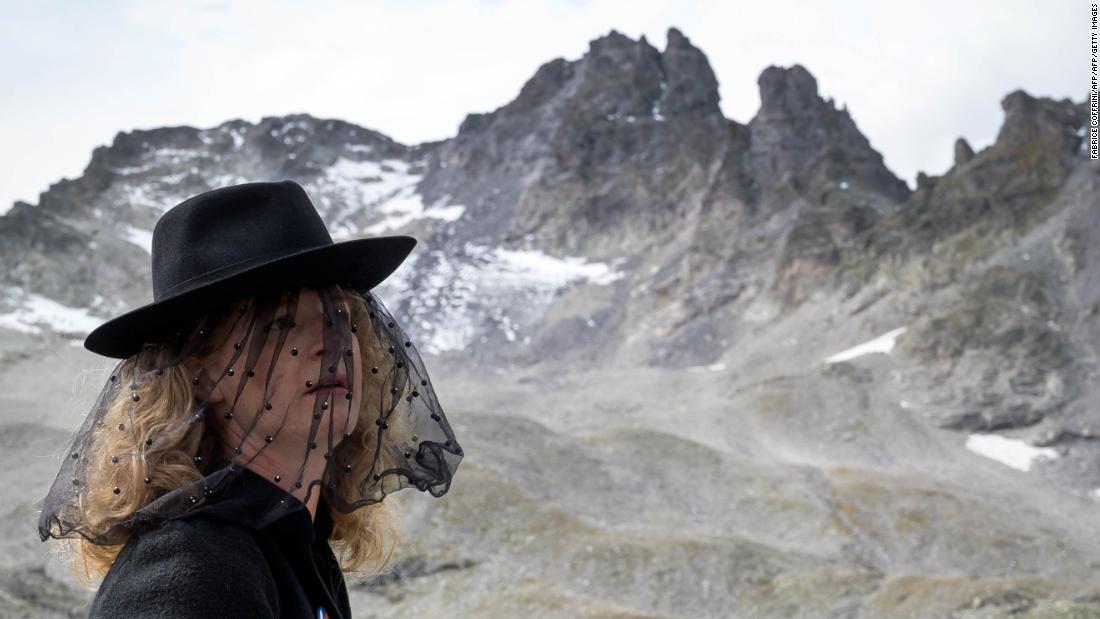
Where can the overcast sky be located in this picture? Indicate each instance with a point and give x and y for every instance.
(915, 76)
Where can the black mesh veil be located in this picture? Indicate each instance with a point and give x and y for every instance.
(315, 387)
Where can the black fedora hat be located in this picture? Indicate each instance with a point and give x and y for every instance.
(232, 242)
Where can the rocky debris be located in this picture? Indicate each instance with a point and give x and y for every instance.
(30, 592)
(998, 347)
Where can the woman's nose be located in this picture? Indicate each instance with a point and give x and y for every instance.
(316, 341)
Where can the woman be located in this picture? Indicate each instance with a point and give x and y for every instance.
(265, 404)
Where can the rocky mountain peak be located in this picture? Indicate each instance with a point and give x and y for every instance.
(614, 42)
(1011, 186)
(787, 91)
(605, 115)
(963, 151)
(618, 76)
(676, 39)
(795, 128)
(691, 84)
(622, 78)
(1029, 120)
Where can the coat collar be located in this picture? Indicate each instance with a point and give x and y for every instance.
(250, 499)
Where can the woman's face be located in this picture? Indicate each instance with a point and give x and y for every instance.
(302, 397)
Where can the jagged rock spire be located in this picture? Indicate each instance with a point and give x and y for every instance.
(690, 83)
(795, 125)
(963, 151)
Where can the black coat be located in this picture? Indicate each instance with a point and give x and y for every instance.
(221, 560)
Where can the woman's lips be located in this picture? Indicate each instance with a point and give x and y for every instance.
(337, 383)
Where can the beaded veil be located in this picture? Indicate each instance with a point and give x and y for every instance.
(317, 387)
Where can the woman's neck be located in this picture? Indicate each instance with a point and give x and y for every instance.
(265, 466)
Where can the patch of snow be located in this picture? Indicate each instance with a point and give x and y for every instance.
(132, 170)
(359, 148)
(1008, 451)
(154, 195)
(713, 367)
(383, 188)
(33, 311)
(226, 180)
(657, 116)
(843, 184)
(137, 195)
(458, 296)
(139, 237)
(504, 323)
(238, 138)
(522, 264)
(172, 179)
(160, 157)
(883, 343)
(175, 155)
(349, 187)
(406, 206)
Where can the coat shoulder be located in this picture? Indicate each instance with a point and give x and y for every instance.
(189, 567)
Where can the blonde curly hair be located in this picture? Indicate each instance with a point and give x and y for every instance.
(364, 540)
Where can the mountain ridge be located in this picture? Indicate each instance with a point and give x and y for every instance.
(814, 387)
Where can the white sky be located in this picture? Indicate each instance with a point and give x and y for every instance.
(915, 76)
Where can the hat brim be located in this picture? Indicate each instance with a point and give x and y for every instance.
(363, 263)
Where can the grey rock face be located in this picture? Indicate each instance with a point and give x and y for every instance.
(690, 83)
(586, 157)
(794, 126)
(989, 259)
